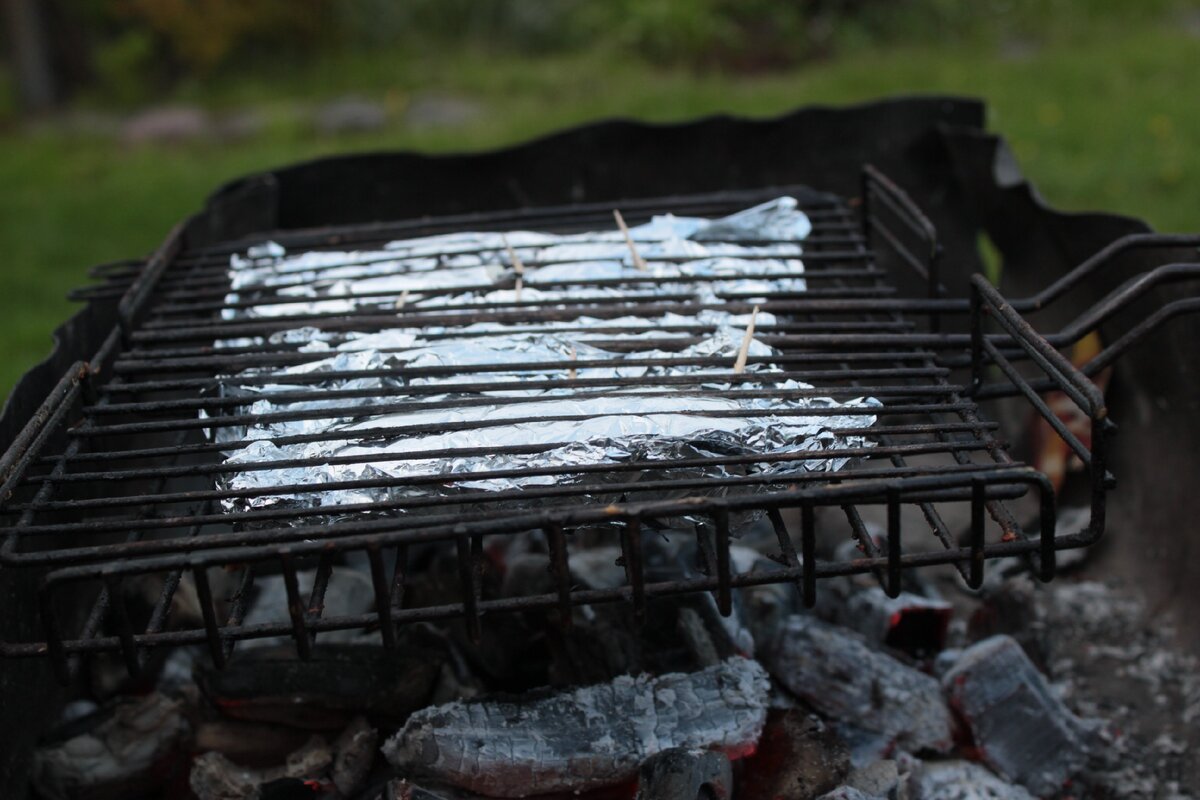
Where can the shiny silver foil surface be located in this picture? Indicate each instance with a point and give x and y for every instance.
(461, 434)
(477, 268)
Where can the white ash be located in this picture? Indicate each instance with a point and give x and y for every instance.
(1020, 726)
(215, 777)
(837, 673)
(1114, 658)
(585, 738)
(140, 733)
(961, 780)
(354, 754)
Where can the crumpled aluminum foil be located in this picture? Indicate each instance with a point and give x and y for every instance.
(476, 268)
(574, 427)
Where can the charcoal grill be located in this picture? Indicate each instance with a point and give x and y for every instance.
(110, 479)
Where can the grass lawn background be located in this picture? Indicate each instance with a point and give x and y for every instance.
(1103, 116)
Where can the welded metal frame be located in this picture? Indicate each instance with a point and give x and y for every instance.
(848, 321)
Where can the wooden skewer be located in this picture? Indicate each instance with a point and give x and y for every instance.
(571, 372)
(638, 261)
(517, 265)
(739, 366)
(402, 300)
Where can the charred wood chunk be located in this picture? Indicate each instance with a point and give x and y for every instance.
(798, 756)
(961, 780)
(586, 738)
(700, 642)
(835, 672)
(1019, 726)
(354, 753)
(683, 773)
(131, 748)
(338, 683)
(1012, 607)
(908, 622)
(215, 777)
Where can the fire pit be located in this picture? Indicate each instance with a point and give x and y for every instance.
(666, 473)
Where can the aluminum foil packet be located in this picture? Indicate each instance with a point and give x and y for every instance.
(471, 440)
(684, 257)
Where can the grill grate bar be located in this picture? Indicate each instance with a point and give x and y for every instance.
(583, 216)
(177, 471)
(260, 515)
(228, 363)
(522, 312)
(896, 392)
(932, 517)
(176, 452)
(824, 225)
(275, 536)
(498, 496)
(216, 276)
(194, 404)
(270, 295)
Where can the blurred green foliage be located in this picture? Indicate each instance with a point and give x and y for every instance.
(1096, 98)
(140, 48)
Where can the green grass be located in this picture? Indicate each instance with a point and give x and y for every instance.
(1106, 120)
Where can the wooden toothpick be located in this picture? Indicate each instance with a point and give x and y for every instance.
(401, 300)
(739, 366)
(517, 265)
(638, 261)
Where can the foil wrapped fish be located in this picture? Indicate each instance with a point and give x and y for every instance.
(684, 256)
(461, 413)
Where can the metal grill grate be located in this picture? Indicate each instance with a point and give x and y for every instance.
(114, 480)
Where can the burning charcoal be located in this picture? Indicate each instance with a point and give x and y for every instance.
(683, 773)
(354, 753)
(1012, 607)
(1021, 729)
(961, 780)
(907, 622)
(325, 692)
(797, 756)
(215, 777)
(692, 629)
(402, 789)
(585, 738)
(840, 676)
(763, 608)
(126, 750)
